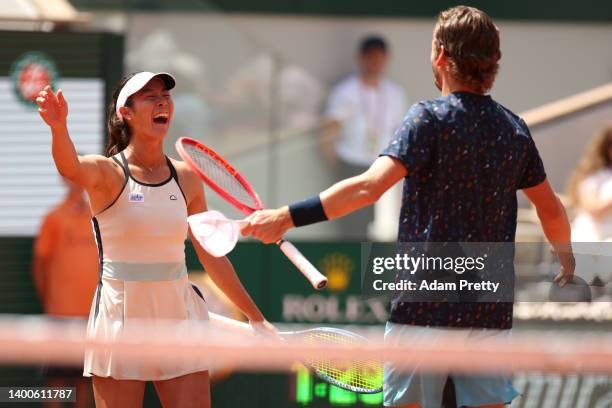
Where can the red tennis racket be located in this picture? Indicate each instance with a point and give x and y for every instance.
(225, 180)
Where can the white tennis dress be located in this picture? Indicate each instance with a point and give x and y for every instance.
(141, 242)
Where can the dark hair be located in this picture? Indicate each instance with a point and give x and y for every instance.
(471, 42)
(119, 132)
(372, 42)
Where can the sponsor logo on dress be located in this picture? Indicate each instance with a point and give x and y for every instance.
(173, 197)
(136, 198)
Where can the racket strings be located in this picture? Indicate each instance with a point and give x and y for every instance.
(357, 375)
(221, 175)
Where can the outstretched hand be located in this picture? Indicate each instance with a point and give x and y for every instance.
(53, 108)
(268, 226)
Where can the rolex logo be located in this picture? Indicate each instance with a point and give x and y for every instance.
(337, 267)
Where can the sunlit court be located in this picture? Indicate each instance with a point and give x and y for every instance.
(284, 204)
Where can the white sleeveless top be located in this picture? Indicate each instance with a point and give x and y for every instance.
(147, 223)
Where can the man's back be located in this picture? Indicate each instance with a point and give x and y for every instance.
(466, 157)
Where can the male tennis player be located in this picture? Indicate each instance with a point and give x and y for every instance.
(462, 156)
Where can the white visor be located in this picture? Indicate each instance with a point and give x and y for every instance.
(137, 82)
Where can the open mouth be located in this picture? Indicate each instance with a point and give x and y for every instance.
(160, 118)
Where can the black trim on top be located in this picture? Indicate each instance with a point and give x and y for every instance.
(122, 188)
(140, 182)
(174, 175)
(96, 228)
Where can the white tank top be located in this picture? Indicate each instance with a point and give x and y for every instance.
(141, 235)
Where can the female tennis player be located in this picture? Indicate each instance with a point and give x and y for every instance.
(140, 200)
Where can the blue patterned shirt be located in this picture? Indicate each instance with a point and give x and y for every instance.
(466, 157)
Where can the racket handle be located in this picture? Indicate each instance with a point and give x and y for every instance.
(316, 278)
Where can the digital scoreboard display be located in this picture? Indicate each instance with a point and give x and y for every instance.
(309, 391)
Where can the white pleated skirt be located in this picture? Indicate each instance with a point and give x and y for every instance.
(122, 305)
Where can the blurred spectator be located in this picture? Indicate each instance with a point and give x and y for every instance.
(65, 273)
(590, 190)
(268, 78)
(362, 114)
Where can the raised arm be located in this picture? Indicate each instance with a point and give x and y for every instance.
(556, 227)
(84, 171)
(342, 198)
(365, 189)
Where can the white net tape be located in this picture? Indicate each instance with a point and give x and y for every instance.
(38, 340)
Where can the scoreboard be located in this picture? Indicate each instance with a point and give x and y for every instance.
(312, 392)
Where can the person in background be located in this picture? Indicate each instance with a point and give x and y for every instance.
(590, 191)
(65, 274)
(362, 114)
